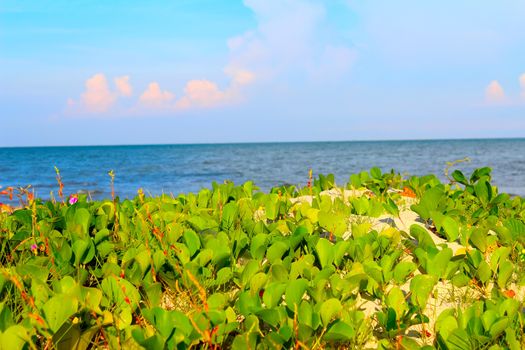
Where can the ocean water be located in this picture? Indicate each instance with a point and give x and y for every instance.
(184, 168)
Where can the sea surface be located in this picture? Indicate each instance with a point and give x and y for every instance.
(175, 169)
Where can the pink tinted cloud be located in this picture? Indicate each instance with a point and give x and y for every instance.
(155, 97)
(240, 76)
(123, 86)
(201, 93)
(97, 98)
(494, 92)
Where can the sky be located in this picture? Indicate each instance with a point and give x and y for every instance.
(78, 72)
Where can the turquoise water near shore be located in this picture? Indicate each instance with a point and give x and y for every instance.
(183, 168)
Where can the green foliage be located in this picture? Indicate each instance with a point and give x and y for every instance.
(233, 267)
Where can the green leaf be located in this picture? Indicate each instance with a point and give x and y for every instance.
(58, 310)
(498, 327)
(258, 245)
(34, 271)
(499, 257)
(202, 258)
(429, 201)
(144, 260)
(329, 309)
(217, 301)
(6, 317)
(421, 286)
(294, 292)
(355, 180)
(120, 292)
(124, 317)
(402, 270)
(340, 331)
(458, 339)
(257, 282)
(91, 298)
(230, 213)
(181, 322)
(224, 275)
(479, 173)
(244, 341)
(160, 319)
(376, 173)
(488, 318)
(14, 337)
(396, 300)
(82, 218)
(305, 313)
(84, 251)
(158, 259)
(273, 294)
(446, 323)
(220, 247)
(483, 191)
(375, 208)
(509, 307)
(153, 294)
(484, 272)
(248, 304)
(505, 272)
(325, 251)
(360, 204)
(511, 340)
(460, 280)
(390, 319)
(437, 265)
(459, 177)
(333, 222)
(451, 228)
(270, 316)
(411, 344)
(516, 227)
(391, 207)
(422, 236)
(193, 241)
(23, 216)
(250, 269)
(276, 251)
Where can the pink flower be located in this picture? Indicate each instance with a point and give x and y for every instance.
(34, 248)
(73, 199)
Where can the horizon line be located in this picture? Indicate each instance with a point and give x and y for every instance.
(269, 142)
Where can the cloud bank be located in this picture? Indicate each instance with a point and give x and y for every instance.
(289, 45)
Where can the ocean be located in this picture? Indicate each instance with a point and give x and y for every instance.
(175, 169)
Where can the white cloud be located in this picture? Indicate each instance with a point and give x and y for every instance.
(290, 39)
(494, 92)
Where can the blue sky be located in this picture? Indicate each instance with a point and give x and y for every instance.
(193, 71)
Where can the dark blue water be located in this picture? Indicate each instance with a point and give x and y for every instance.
(183, 168)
